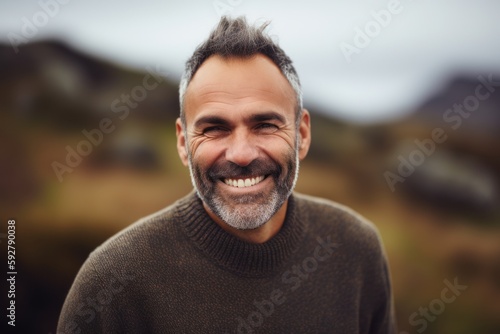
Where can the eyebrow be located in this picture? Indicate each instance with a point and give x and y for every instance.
(210, 119)
(267, 116)
(254, 118)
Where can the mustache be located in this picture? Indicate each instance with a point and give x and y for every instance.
(228, 169)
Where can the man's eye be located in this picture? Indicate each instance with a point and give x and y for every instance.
(266, 127)
(214, 131)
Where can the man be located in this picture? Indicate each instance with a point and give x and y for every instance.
(241, 254)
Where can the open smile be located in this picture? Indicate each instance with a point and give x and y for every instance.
(244, 183)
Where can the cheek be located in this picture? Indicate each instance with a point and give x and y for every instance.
(205, 153)
(283, 140)
(279, 148)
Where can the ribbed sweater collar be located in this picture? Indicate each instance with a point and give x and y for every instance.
(232, 253)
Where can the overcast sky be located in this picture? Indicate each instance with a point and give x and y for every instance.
(410, 54)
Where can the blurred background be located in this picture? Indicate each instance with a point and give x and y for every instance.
(405, 105)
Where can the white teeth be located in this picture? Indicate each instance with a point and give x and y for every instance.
(243, 183)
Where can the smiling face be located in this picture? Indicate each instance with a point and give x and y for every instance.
(241, 140)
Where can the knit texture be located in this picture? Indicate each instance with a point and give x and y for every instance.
(177, 271)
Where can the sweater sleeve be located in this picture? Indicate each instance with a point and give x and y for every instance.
(377, 305)
(91, 305)
(383, 321)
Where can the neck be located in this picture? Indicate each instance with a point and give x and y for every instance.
(258, 235)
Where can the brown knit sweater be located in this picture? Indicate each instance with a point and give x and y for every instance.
(177, 271)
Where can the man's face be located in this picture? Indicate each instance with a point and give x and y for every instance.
(241, 141)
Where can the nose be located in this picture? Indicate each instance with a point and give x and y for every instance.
(242, 149)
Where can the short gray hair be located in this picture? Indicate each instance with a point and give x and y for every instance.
(235, 38)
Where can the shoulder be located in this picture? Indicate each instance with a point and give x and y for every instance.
(147, 236)
(359, 262)
(118, 265)
(346, 226)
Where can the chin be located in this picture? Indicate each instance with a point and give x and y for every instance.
(248, 216)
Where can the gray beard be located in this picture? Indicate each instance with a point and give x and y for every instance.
(248, 214)
(245, 212)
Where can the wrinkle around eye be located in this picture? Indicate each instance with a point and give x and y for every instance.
(267, 128)
(197, 139)
(215, 131)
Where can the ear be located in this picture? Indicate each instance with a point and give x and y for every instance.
(304, 134)
(181, 142)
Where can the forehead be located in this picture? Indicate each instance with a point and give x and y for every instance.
(234, 84)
